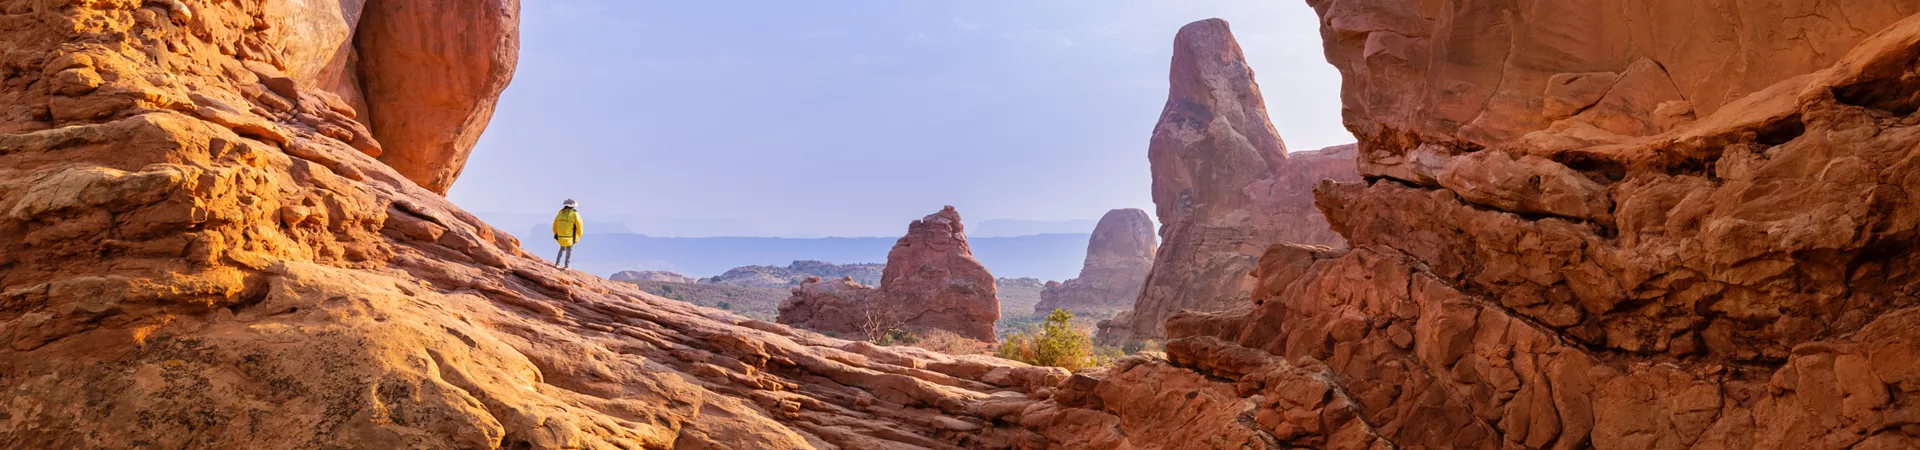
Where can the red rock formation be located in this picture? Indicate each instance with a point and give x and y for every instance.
(1735, 279)
(432, 72)
(1224, 185)
(422, 76)
(842, 308)
(931, 281)
(189, 260)
(1119, 255)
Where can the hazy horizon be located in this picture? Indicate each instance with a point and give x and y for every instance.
(797, 120)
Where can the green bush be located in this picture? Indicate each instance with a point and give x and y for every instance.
(726, 305)
(897, 337)
(1056, 343)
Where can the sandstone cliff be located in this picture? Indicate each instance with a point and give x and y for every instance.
(1119, 255)
(1725, 267)
(186, 262)
(1224, 186)
(198, 250)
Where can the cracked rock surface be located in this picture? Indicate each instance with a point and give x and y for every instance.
(198, 248)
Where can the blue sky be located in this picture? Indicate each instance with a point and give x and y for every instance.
(852, 117)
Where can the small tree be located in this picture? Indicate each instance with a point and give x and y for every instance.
(726, 305)
(1057, 343)
(880, 326)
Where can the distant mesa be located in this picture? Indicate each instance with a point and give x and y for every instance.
(651, 275)
(1224, 186)
(797, 272)
(1119, 256)
(930, 281)
(1018, 295)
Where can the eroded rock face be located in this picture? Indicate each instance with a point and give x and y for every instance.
(1224, 186)
(423, 77)
(190, 260)
(1119, 255)
(1737, 278)
(930, 281)
(432, 72)
(843, 307)
(1485, 74)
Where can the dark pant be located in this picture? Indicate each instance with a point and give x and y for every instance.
(565, 252)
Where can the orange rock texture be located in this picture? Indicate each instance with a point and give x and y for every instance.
(1119, 255)
(198, 250)
(1732, 271)
(1224, 186)
(431, 72)
(931, 281)
(422, 77)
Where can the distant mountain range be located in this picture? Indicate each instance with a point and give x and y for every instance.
(1045, 256)
(711, 227)
(1015, 227)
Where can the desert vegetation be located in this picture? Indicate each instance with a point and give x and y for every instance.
(1056, 342)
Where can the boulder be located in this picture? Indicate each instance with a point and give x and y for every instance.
(1119, 255)
(432, 72)
(841, 307)
(932, 280)
(422, 77)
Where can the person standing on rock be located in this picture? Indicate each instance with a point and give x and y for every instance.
(566, 229)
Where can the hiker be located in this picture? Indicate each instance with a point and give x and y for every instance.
(566, 229)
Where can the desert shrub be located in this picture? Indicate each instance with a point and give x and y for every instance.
(897, 337)
(1142, 346)
(726, 306)
(880, 326)
(1056, 343)
(948, 342)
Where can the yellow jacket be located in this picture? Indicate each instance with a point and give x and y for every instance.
(566, 227)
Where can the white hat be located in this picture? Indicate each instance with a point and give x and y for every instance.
(570, 203)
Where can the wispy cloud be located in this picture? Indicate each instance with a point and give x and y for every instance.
(963, 24)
